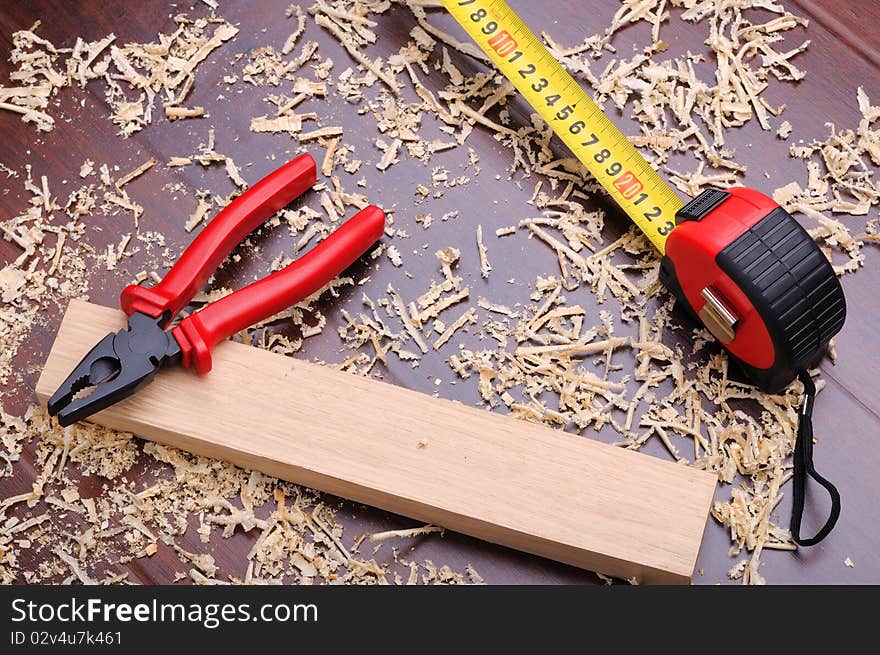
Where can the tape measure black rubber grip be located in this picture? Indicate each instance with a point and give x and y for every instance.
(785, 279)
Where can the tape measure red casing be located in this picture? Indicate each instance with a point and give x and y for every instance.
(754, 277)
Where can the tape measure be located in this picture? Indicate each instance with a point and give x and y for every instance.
(609, 156)
(739, 262)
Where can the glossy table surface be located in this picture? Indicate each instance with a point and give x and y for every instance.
(842, 56)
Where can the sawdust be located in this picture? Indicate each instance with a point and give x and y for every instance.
(135, 75)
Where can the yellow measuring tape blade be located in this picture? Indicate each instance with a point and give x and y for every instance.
(649, 201)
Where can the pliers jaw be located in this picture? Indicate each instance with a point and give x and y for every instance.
(119, 365)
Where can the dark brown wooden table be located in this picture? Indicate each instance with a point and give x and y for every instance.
(844, 54)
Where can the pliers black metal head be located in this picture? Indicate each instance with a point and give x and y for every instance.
(116, 367)
(123, 362)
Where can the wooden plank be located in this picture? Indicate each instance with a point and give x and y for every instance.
(504, 480)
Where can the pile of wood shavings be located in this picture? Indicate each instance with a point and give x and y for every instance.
(749, 437)
(134, 74)
(840, 180)
(299, 540)
(680, 110)
(547, 359)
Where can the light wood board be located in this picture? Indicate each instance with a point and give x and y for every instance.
(504, 480)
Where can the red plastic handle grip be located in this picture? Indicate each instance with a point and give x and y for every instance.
(201, 331)
(241, 217)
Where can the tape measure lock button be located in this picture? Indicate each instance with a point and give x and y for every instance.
(700, 206)
(753, 276)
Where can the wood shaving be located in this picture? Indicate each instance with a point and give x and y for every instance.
(469, 316)
(322, 133)
(497, 308)
(291, 124)
(124, 202)
(485, 266)
(394, 256)
(137, 172)
(291, 40)
(390, 153)
(784, 130)
(178, 113)
(324, 16)
(379, 537)
(197, 216)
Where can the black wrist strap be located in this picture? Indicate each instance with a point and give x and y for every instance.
(803, 467)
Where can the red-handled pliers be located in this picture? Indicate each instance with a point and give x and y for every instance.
(123, 362)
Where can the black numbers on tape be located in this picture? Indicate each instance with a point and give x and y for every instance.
(564, 113)
(625, 183)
